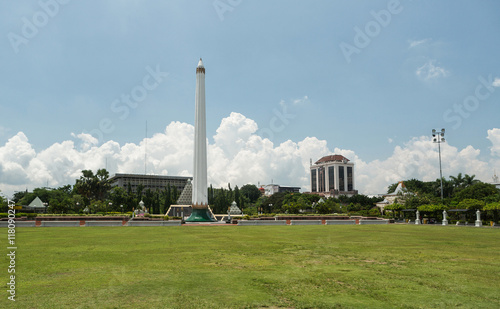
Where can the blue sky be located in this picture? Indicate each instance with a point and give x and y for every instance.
(281, 64)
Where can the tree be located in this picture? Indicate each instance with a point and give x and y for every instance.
(493, 208)
(138, 193)
(103, 184)
(293, 207)
(447, 188)
(118, 196)
(210, 195)
(236, 194)
(471, 204)
(93, 187)
(251, 192)
(261, 201)
(3, 203)
(479, 190)
(434, 209)
(366, 202)
(414, 185)
(274, 202)
(19, 195)
(469, 180)
(77, 202)
(327, 207)
(458, 182)
(413, 202)
(221, 201)
(393, 208)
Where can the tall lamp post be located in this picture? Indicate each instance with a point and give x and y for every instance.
(438, 137)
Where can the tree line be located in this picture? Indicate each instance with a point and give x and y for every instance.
(296, 203)
(93, 193)
(462, 192)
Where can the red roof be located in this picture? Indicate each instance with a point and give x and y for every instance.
(334, 158)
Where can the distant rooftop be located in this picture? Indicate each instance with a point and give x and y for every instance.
(119, 175)
(332, 158)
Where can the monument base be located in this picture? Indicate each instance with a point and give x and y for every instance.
(200, 215)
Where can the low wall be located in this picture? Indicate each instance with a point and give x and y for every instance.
(295, 218)
(373, 221)
(306, 222)
(154, 223)
(82, 218)
(60, 223)
(19, 223)
(103, 223)
(263, 222)
(340, 222)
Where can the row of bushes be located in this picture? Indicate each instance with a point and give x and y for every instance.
(84, 215)
(309, 215)
(304, 215)
(19, 214)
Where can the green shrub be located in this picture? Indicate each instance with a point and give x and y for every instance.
(166, 218)
(374, 211)
(114, 213)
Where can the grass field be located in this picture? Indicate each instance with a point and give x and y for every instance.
(393, 266)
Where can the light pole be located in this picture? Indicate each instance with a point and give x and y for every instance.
(121, 206)
(438, 137)
(110, 204)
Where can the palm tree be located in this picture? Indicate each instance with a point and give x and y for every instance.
(92, 186)
(447, 187)
(458, 182)
(469, 180)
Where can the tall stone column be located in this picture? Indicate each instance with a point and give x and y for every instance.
(200, 200)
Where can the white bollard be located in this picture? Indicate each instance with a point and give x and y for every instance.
(445, 222)
(417, 221)
(478, 219)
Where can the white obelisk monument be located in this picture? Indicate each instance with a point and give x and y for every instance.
(200, 187)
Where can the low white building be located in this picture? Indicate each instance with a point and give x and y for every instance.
(273, 188)
(400, 194)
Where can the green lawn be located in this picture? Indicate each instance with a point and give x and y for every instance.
(392, 266)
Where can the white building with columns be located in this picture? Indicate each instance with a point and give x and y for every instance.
(333, 176)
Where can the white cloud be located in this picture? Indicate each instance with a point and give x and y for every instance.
(415, 43)
(494, 137)
(295, 102)
(496, 82)
(303, 100)
(430, 71)
(87, 140)
(237, 156)
(4, 131)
